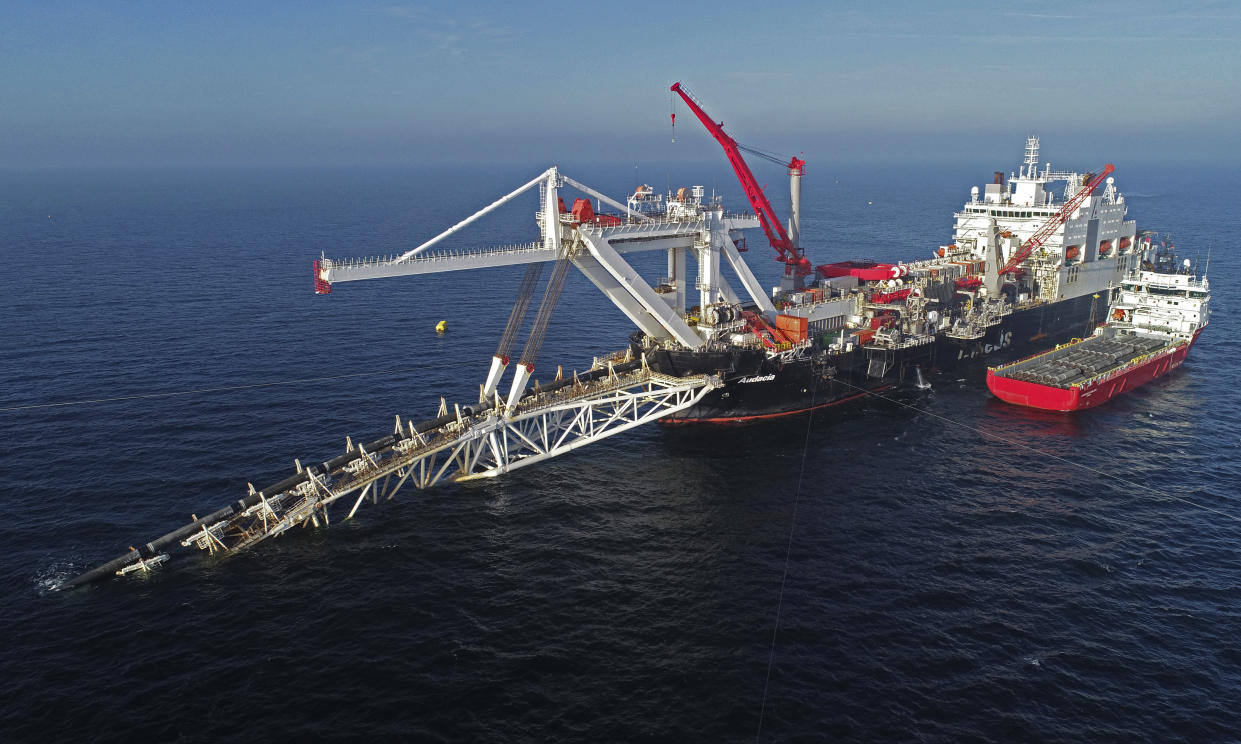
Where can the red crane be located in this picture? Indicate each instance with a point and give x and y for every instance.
(790, 255)
(1057, 219)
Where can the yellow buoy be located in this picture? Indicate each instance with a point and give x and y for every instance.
(441, 326)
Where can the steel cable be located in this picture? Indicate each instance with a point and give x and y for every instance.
(551, 296)
(520, 308)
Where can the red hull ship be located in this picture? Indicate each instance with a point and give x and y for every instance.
(1010, 385)
(1153, 322)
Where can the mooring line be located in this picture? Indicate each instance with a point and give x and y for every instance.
(1036, 450)
(788, 552)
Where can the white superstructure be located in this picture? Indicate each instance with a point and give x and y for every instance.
(1093, 250)
(1151, 302)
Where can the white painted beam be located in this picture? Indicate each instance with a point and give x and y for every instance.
(676, 272)
(616, 292)
(748, 280)
(548, 174)
(638, 288)
(379, 268)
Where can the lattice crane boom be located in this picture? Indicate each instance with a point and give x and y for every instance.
(1051, 225)
(787, 251)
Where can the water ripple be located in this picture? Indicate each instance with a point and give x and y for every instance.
(945, 583)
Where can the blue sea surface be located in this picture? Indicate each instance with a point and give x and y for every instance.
(939, 568)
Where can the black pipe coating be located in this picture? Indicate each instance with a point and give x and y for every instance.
(151, 549)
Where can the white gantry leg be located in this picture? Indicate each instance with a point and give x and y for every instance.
(631, 283)
(748, 280)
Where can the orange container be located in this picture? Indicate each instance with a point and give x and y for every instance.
(794, 327)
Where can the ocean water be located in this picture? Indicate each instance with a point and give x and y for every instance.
(940, 567)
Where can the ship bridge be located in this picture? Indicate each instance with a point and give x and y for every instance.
(1091, 249)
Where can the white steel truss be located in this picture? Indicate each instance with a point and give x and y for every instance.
(704, 229)
(536, 426)
(544, 425)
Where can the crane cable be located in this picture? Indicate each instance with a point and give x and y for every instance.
(673, 96)
(521, 308)
(777, 159)
(788, 552)
(551, 296)
(766, 155)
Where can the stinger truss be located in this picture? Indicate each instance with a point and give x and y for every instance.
(497, 436)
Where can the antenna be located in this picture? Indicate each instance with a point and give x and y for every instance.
(1032, 149)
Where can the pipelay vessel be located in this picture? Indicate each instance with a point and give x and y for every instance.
(1022, 272)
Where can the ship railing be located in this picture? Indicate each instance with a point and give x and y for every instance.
(907, 341)
(663, 223)
(976, 324)
(1166, 329)
(431, 256)
(603, 386)
(647, 227)
(616, 357)
(787, 350)
(437, 439)
(967, 330)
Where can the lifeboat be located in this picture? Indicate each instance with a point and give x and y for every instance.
(584, 214)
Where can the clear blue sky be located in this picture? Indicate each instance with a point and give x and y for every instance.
(305, 82)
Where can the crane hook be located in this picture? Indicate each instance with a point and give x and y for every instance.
(674, 118)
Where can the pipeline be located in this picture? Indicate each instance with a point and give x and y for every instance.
(153, 548)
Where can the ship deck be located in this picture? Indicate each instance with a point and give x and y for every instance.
(1077, 362)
